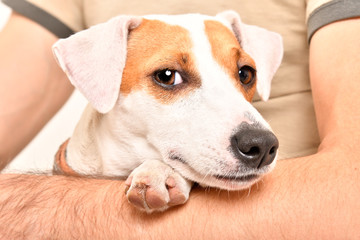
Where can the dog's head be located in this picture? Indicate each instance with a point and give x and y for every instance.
(181, 87)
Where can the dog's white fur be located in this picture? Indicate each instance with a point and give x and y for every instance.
(138, 134)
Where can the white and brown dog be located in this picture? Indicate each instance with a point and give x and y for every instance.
(170, 104)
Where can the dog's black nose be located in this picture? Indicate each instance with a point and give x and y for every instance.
(254, 147)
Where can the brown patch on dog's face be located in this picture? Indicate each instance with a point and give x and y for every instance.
(228, 53)
(156, 46)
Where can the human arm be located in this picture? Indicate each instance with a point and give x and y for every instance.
(32, 86)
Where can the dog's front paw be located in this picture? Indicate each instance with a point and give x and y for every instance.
(154, 186)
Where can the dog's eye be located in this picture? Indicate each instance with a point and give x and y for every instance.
(247, 75)
(168, 77)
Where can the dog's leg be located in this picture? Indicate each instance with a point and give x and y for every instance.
(154, 186)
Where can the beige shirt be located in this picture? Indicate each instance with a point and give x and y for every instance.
(290, 110)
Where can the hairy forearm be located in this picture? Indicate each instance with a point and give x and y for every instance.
(296, 201)
(32, 86)
(58, 207)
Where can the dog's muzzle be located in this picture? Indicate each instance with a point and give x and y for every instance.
(255, 147)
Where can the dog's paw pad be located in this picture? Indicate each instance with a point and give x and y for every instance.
(176, 195)
(155, 200)
(136, 195)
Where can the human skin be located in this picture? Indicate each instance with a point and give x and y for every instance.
(32, 86)
(313, 197)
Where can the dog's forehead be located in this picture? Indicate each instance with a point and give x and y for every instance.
(153, 46)
(227, 52)
(197, 42)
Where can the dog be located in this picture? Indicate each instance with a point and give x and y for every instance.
(170, 104)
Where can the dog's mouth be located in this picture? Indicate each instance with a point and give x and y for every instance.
(245, 178)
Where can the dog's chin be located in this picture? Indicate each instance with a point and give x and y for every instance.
(231, 183)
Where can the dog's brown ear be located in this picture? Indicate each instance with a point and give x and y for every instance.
(94, 60)
(265, 47)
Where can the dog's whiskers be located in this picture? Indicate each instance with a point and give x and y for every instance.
(249, 191)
